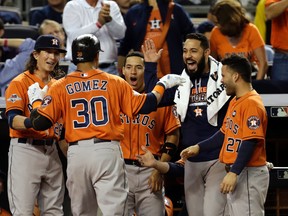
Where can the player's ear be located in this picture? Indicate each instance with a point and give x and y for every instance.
(96, 59)
(207, 52)
(35, 54)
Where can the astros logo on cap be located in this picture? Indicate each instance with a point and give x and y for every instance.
(55, 42)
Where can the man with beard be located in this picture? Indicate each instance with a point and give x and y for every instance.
(201, 104)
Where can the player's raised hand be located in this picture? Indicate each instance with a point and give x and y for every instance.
(190, 152)
(171, 80)
(149, 51)
(147, 159)
(35, 93)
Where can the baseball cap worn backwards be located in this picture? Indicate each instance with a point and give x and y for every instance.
(44, 42)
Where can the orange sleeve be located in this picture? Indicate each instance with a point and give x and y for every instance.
(255, 38)
(172, 121)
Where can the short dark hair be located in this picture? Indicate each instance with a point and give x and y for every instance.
(205, 26)
(133, 53)
(204, 42)
(240, 65)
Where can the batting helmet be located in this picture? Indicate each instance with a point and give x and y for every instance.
(85, 48)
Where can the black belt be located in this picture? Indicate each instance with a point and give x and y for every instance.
(136, 162)
(132, 162)
(105, 65)
(47, 142)
(96, 140)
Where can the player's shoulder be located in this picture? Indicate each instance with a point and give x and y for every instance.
(254, 99)
(23, 78)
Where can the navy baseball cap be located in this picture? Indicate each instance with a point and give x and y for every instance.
(44, 42)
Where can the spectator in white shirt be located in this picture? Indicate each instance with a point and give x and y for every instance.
(98, 17)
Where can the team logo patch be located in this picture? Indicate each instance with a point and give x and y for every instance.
(79, 56)
(54, 42)
(198, 111)
(174, 111)
(253, 122)
(47, 100)
(13, 98)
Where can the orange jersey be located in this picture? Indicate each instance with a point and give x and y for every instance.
(250, 40)
(148, 130)
(279, 28)
(245, 119)
(154, 31)
(90, 104)
(17, 98)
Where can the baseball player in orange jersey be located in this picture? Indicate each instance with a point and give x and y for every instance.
(242, 137)
(35, 170)
(158, 131)
(90, 102)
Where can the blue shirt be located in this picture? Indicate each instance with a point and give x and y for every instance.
(47, 12)
(16, 65)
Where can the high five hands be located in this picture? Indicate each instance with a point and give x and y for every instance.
(149, 51)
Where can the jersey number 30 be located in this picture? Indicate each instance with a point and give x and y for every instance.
(93, 111)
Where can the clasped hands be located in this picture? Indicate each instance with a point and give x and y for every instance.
(36, 93)
(104, 14)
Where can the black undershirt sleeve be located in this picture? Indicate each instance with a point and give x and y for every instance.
(244, 155)
(149, 105)
(213, 142)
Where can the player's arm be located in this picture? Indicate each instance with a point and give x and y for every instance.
(170, 146)
(17, 121)
(63, 145)
(150, 79)
(153, 98)
(36, 95)
(172, 169)
(209, 144)
(176, 169)
(148, 160)
(168, 150)
(38, 121)
(244, 155)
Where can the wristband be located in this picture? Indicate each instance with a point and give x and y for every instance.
(5, 42)
(159, 88)
(27, 123)
(36, 104)
(169, 148)
(98, 24)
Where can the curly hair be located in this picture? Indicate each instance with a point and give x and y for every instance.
(31, 66)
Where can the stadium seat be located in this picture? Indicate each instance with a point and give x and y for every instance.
(21, 31)
(32, 10)
(11, 15)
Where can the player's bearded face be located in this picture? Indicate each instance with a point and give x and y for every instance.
(195, 72)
